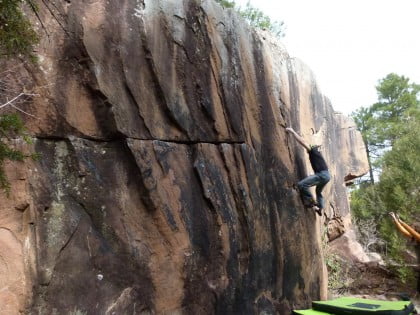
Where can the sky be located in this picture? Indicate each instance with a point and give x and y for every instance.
(350, 44)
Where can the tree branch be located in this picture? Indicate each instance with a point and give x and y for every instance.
(16, 98)
(22, 111)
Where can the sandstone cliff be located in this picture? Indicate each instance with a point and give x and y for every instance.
(166, 183)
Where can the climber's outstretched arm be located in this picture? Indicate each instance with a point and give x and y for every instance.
(398, 225)
(298, 138)
(404, 228)
(412, 231)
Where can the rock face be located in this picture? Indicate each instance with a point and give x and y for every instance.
(347, 246)
(166, 182)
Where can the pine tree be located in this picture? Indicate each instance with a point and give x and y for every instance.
(391, 129)
(17, 36)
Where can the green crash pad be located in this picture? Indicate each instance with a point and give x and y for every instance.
(310, 312)
(356, 306)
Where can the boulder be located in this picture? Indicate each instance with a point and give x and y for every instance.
(166, 182)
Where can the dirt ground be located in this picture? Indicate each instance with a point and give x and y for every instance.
(374, 282)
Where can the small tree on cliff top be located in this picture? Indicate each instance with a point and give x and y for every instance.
(256, 18)
(226, 3)
(259, 19)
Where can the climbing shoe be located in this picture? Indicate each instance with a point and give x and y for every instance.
(318, 210)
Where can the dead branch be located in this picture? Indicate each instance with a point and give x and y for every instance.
(22, 94)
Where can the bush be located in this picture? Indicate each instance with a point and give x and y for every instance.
(10, 126)
(17, 37)
(226, 3)
(256, 18)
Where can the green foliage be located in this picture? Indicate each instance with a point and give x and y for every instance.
(366, 203)
(363, 118)
(259, 19)
(397, 97)
(400, 180)
(398, 189)
(382, 123)
(226, 3)
(16, 33)
(256, 18)
(10, 126)
(398, 245)
(335, 271)
(17, 37)
(391, 130)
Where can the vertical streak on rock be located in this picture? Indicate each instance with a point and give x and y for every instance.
(158, 88)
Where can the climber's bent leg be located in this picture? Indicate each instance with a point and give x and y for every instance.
(304, 185)
(324, 177)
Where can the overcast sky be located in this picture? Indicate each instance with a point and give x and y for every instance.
(350, 44)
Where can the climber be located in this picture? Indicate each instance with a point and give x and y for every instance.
(319, 179)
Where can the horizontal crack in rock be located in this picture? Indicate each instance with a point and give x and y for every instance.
(188, 142)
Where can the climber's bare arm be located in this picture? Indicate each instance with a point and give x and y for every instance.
(298, 138)
(398, 225)
(410, 230)
(404, 228)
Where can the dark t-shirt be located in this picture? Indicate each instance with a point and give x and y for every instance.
(317, 161)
